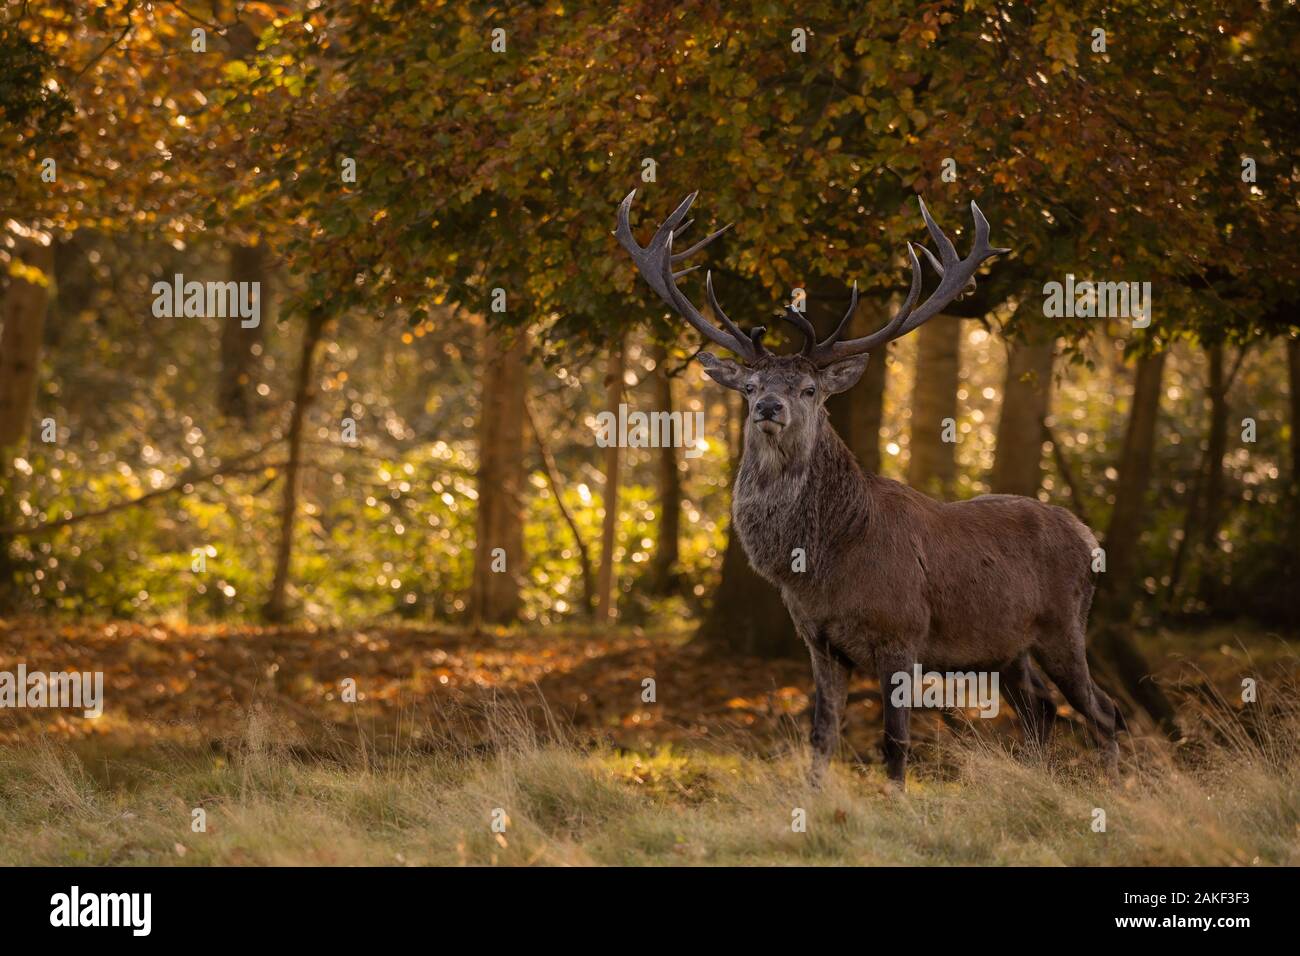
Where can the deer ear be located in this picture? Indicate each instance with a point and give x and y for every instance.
(844, 374)
(723, 371)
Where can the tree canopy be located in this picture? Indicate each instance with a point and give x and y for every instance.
(494, 160)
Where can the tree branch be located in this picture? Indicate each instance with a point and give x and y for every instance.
(1063, 466)
(548, 465)
(180, 484)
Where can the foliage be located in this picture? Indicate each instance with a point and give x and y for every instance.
(482, 169)
(479, 169)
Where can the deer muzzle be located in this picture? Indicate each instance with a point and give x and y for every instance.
(770, 414)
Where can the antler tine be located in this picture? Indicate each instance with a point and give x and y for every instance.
(674, 220)
(844, 322)
(756, 336)
(956, 276)
(947, 251)
(938, 266)
(732, 339)
(803, 325)
(731, 327)
(827, 350)
(623, 233)
(982, 231)
(699, 245)
(655, 263)
(646, 257)
(981, 240)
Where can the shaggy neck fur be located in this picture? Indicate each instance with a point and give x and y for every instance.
(798, 490)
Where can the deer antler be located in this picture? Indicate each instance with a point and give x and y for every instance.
(800, 322)
(956, 276)
(656, 260)
(655, 263)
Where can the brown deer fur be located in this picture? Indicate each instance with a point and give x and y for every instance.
(892, 577)
(889, 578)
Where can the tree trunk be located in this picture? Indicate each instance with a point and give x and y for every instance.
(932, 466)
(494, 590)
(1293, 382)
(1190, 535)
(25, 305)
(747, 615)
(1126, 519)
(856, 414)
(240, 346)
(276, 608)
(1117, 663)
(606, 600)
(1291, 567)
(1216, 448)
(869, 410)
(1114, 653)
(1026, 398)
(248, 263)
(663, 576)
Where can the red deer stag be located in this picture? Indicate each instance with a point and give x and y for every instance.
(889, 578)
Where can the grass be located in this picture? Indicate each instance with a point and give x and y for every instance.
(1231, 795)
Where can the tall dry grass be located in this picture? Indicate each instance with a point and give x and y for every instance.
(1230, 795)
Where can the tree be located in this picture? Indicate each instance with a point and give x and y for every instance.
(857, 413)
(26, 300)
(1132, 485)
(606, 583)
(474, 162)
(1293, 390)
(499, 555)
(932, 467)
(663, 577)
(747, 615)
(1026, 399)
(241, 346)
(276, 608)
(1112, 647)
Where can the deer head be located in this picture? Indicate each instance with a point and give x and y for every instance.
(786, 393)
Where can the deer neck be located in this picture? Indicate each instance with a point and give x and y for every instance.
(797, 498)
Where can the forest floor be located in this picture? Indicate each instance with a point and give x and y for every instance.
(547, 734)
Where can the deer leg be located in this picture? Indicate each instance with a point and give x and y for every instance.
(831, 672)
(896, 717)
(1031, 699)
(1068, 669)
(1046, 705)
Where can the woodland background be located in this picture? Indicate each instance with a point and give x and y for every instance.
(479, 170)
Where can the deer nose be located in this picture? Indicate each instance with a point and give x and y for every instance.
(768, 408)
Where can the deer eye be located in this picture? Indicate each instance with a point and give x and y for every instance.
(810, 392)
(749, 389)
